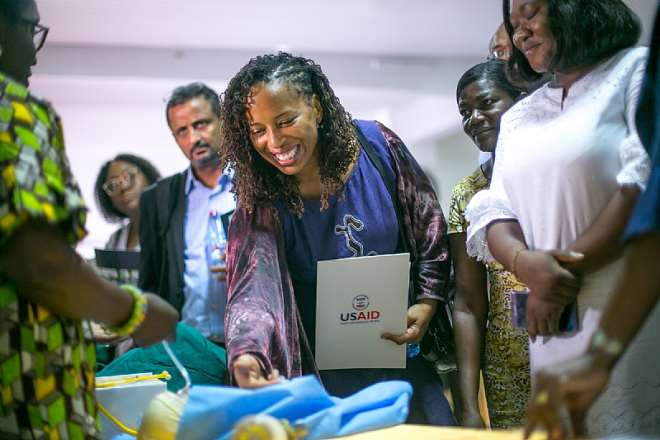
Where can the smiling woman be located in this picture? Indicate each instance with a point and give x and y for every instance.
(482, 307)
(305, 182)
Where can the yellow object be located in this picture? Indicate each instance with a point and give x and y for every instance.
(114, 383)
(119, 382)
(22, 113)
(260, 427)
(418, 432)
(162, 416)
(116, 421)
(138, 314)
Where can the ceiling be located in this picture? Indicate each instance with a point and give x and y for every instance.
(416, 45)
(385, 27)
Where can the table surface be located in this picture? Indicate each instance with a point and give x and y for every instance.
(418, 432)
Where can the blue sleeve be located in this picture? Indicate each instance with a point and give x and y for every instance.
(646, 216)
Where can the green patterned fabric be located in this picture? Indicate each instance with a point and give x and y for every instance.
(506, 352)
(46, 366)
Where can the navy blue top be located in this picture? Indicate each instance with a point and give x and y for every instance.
(646, 216)
(362, 221)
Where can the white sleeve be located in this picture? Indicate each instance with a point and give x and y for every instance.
(635, 162)
(490, 204)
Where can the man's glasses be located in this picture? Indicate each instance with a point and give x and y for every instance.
(122, 182)
(39, 34)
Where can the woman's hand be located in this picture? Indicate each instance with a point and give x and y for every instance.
(248, 374)
(419, 318)
(542, 316)
(563, 394)
(159, 323)
(552, 288)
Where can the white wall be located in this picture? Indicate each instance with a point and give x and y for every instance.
(447, 160)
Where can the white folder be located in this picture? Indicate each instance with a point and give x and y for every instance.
(357, 299)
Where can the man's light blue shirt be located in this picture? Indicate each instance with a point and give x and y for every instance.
(205, 296)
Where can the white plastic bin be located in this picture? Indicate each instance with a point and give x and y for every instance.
(126, 402)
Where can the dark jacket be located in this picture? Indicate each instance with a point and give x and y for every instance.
(162, 210)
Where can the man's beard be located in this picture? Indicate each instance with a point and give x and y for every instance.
(209, 161)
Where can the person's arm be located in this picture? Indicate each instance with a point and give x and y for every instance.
(48, 272)
(600, 243)
(551, 286)
(637, 291)
(470, 314)
(570, 388)
(259, 333)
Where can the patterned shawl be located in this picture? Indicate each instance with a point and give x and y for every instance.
(262, 318)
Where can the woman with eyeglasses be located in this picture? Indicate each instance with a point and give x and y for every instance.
(46, 289)
(118, 188)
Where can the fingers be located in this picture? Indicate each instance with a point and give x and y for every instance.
(249, 379)
(248, 373)
(542, 317)
(565, 256)
(274, 377)
(411, 335)
(568, 278)
(532, 325)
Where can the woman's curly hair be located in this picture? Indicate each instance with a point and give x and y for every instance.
(258, 183)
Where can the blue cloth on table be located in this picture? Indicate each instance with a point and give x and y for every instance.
(212, 411)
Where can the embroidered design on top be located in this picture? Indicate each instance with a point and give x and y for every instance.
(346, 229)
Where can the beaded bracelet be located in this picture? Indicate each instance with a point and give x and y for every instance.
(138, 314)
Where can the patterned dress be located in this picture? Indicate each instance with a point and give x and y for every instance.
(46, 366)
(506, 366)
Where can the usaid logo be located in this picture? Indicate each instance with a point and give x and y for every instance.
(360, 302)
(361, 314)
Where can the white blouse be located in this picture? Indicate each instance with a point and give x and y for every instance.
(558, 165)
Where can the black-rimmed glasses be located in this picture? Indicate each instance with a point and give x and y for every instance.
(122, 182)
(39, 34)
